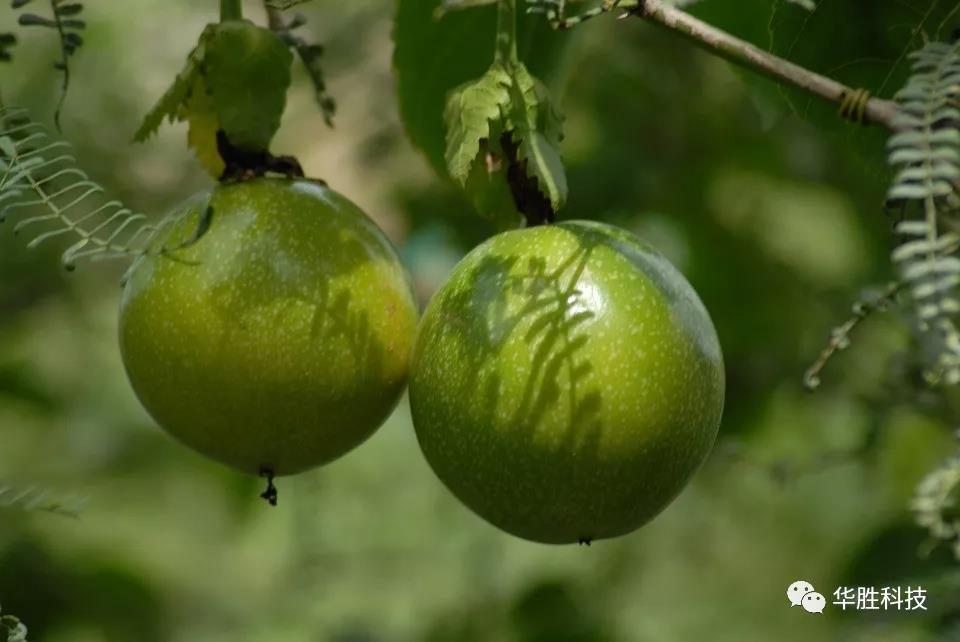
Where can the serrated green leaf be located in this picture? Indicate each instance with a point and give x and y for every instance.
(433, 57)
(247, 70)
(537, 130)
(544, 162)
(487, 187)
(203, 126)
(170, 104)
(470, 110)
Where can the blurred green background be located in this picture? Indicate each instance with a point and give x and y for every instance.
(775, 219)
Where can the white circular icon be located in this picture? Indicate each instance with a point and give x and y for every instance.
(797, 590)
(813, 602)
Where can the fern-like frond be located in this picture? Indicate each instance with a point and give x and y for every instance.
(7, 41)
(935, 504)
(11, 628)
(64, 19)
(37, 500)
(40, 180)
(925, 152)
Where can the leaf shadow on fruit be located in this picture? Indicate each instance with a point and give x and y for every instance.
(335, 331)
(552, 319)
(276, 276)
(271, 299)
(555, 334)
(531, 316)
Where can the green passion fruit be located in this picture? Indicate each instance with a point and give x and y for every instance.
(280, 338)
(566, 383)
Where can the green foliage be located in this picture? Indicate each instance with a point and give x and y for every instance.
(936, 504)
(12, 629)
(488, 188)
(872, 56)
(40, 177)
(456, 5)
(656, 129)
(310, 55)
(502, 135)
(434, 56)
(506, 100)
(201, 115)
(66, 22)
(793, 31)
(537, 127)
(926, 192)
(171, 103)
(469, 113)
(234, 80)
(247, 72)
(7, 42)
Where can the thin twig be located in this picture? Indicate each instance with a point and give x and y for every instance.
(855, 103)
(840, 336)
(64, 66)
(308, 53)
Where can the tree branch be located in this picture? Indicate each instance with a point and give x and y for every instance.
(855, 104)
(740, 52)
(840, 336)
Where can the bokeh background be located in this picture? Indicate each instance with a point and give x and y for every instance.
(775, 217)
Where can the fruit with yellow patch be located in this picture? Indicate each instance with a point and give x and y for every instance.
(279, 340)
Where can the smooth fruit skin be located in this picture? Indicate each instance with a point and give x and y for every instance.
(566, 382)
(278, 341)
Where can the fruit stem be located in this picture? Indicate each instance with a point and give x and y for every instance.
(270, 494)
(231, 10)
(507, 32)
(243, 165)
